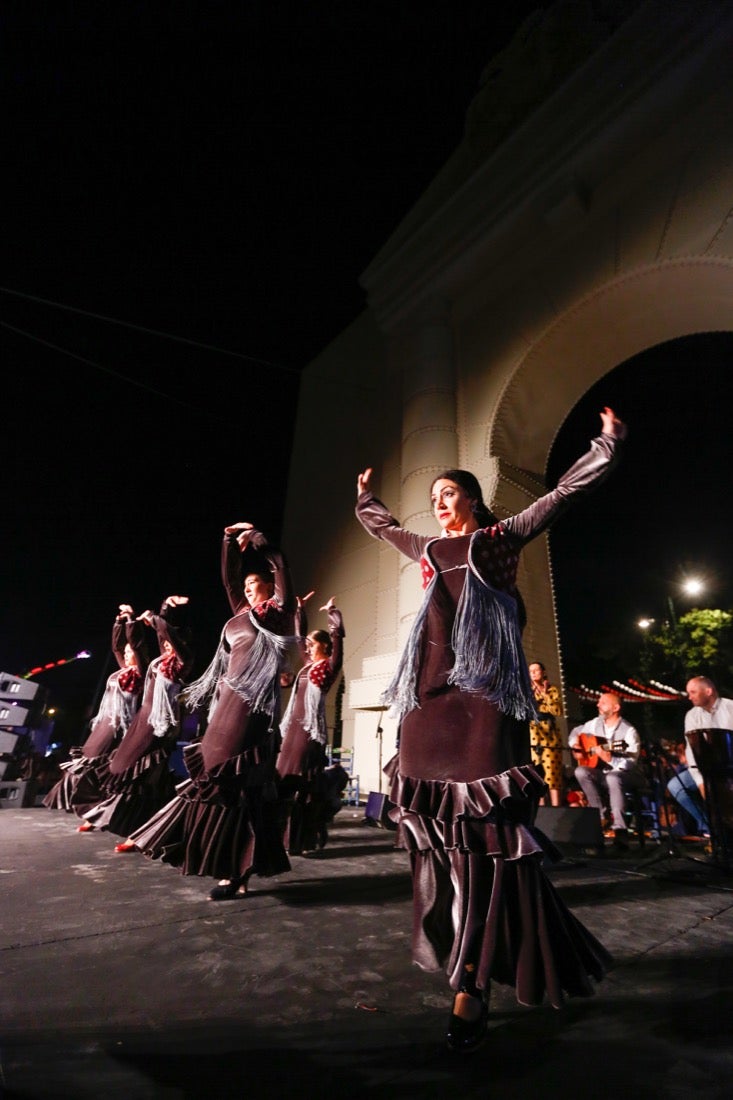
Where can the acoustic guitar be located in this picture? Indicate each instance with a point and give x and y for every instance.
(585, 750)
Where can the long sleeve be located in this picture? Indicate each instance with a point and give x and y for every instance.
(548, 701)
(178, 638)
(135, 636)
(583, 476)
(232, 569)
(119, 640)
(284, 593)
(380, 524)
(232, 572)
(336, 632)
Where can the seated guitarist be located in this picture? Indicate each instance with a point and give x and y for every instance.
(607, 751)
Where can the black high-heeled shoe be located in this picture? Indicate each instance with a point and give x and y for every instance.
(225, 891)
(234, 888)
(465, 1036)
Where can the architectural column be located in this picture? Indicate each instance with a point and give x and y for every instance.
(429, 434)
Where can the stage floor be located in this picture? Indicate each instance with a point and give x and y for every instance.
(119, 979)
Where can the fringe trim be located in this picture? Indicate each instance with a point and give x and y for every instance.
(497, 671)
(201, 691)
(164, 713)
(259, 684)
(486, 641)
(117, 706)
(401, 695)
(314, 711)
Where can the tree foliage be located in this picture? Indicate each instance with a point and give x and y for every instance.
(699, 644)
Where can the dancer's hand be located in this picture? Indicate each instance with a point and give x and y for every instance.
(243, 531)
(362, 481)
(611, 423)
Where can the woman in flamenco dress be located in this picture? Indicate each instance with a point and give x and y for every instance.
(302, 761)
(225, 822)
(137, 780)
(78, 790)
(464, 789)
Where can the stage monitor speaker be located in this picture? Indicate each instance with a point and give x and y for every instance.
(377, 811)
(9, 742)
(15, 688)
(19, 793)
(573, 829)
(12, 715)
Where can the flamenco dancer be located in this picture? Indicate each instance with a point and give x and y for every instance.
(225, 821)
(78, 790)
(137, 780)
(464, 789)
(302, 760)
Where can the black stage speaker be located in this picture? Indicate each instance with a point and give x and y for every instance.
(574, 829)
(377, 809)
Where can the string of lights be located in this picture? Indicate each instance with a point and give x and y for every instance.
(81, 656)
(632, 692)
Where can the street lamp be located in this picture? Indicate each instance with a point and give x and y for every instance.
(693, 586)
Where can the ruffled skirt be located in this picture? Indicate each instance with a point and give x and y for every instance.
(223, 822)
(480, 894)
(130, 798)
(60, 795)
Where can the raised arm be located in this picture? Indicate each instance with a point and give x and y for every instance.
(380, 524)
(583, 476)
(237, 537)
(169, 631)
(336, 633)
(119, 633)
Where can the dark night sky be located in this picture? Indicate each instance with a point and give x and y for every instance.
(200, 188)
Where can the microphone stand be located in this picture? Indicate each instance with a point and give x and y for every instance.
(379, 734)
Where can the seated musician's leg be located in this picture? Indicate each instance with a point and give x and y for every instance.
(685, 791)
(618, 783)
(588, 779)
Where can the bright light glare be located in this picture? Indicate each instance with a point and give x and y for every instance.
(645, 623)
(83, 655)
(693, 587)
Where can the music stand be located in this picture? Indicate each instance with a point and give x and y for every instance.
(669, 848)
(713, 751)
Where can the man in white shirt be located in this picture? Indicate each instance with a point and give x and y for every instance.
(708, 711)
(611, 766)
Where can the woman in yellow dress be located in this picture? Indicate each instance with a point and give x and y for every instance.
(544, 734)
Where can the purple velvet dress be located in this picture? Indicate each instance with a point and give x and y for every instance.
(227, 818)
(79, 788)
(462, 781)
(137, 779)
(302, 761)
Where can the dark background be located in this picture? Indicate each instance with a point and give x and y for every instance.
(194, 192)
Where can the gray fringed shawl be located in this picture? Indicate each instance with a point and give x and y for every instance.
(486, 642)
(164, 712)
(117, 706)
(314, 715)
(257, 685)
